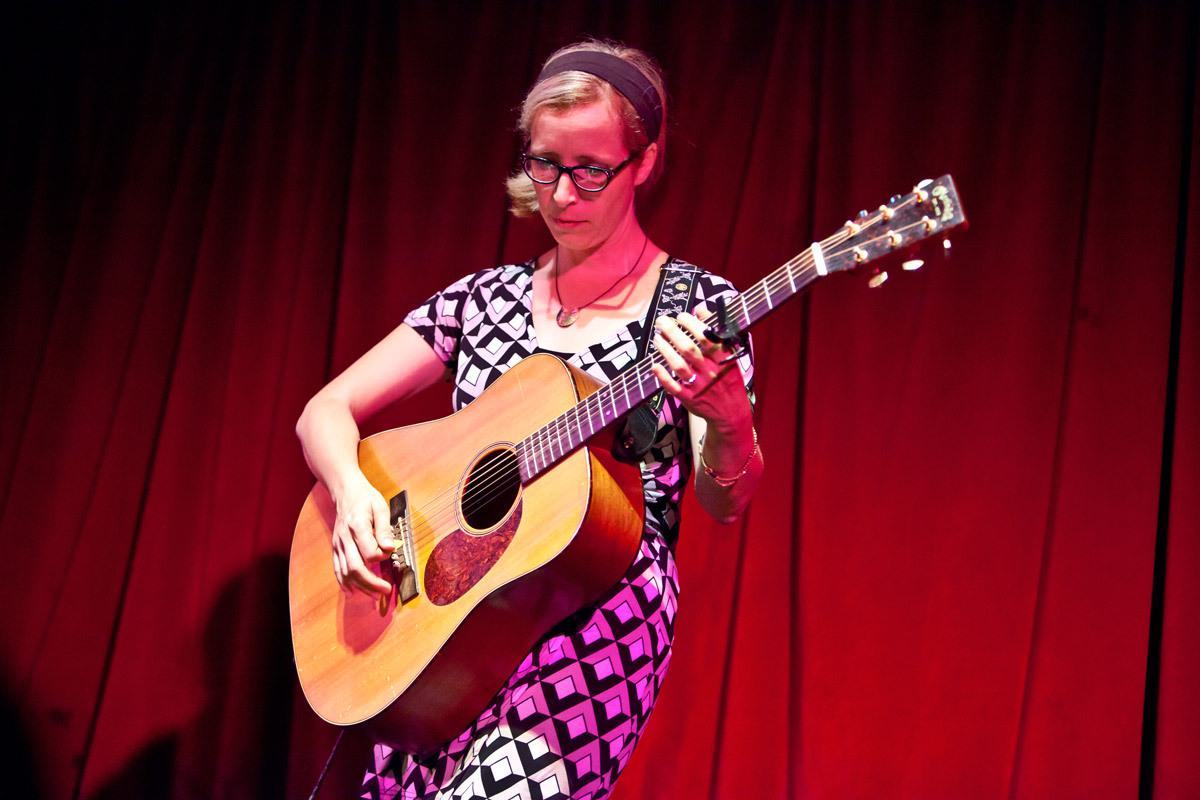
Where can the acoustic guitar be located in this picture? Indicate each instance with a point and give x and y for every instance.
(512, 513)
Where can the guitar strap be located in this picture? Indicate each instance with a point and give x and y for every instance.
(675, 293)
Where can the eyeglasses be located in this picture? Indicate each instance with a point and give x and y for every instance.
(588, 177)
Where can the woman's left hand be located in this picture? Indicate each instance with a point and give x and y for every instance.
(699, 372)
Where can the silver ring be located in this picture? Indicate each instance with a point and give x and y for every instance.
(690, 380)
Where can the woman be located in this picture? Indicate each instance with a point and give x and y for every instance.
(594, 126)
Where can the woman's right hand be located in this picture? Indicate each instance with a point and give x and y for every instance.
(362, 537)
(403, 363)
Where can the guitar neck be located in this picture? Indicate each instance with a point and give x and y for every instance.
(567, 432)
(930, 211)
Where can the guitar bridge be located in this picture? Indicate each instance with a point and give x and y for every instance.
(404, 557)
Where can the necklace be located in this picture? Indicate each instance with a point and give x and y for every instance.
(567, 315)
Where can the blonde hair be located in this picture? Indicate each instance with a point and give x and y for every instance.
(569, 89)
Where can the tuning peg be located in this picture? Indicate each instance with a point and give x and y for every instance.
(877, 279)
(912, 265)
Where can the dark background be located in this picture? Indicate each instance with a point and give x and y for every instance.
(971, 570)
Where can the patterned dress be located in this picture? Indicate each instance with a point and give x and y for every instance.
(565, 723)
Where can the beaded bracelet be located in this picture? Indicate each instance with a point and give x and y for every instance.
(727, 482)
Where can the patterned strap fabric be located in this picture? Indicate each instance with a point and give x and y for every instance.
(675, 293)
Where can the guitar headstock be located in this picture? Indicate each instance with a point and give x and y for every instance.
(926, 214)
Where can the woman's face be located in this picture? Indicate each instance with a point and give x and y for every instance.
(590, 134)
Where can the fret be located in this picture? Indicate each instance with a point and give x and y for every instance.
(587, 414)
(643, 375)
(568, 438)
(580, 418)
(592, 409)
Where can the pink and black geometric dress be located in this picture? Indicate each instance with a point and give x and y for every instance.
(565, 723)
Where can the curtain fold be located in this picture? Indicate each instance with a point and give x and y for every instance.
(1175, 768)
(944, 586)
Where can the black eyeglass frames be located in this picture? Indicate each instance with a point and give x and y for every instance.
(587, 177)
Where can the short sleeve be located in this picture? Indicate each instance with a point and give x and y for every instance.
(439, 319)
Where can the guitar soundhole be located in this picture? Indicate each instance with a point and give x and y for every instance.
(491, 489)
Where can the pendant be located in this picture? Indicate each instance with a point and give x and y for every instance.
(567, 316)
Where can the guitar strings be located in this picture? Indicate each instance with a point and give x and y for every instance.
(540, 446)
(540, 442)
(492, 480)
(543, 439)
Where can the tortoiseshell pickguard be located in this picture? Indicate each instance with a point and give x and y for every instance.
(460, 560)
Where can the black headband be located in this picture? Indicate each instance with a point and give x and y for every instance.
(624, 77)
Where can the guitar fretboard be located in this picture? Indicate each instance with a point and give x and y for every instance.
(567, 432)
(931, 209)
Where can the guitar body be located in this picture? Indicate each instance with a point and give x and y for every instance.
(495, 570)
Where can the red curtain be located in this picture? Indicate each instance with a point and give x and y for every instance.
(971, 568)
